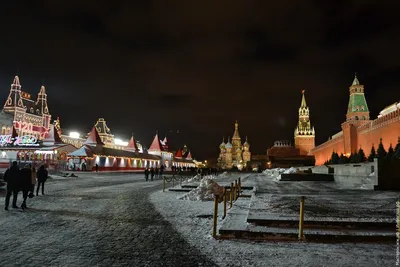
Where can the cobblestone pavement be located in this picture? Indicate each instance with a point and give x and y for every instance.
(95, 220)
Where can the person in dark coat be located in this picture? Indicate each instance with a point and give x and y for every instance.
(26, 183)
(41, 177)
(146, 174)
(152, 173)
(11, 176)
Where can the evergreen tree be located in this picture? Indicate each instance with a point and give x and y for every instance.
(390, 153)
(361, 155)
(334, 158)
(342, 159)
(345, 159)
(381, 150)
(372, 155)
(354, 158)
(397, 150)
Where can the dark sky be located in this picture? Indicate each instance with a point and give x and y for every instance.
(197, 66)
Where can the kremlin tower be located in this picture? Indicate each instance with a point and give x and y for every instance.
(304, 134)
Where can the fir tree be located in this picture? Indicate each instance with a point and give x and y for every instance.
(354, 158)
(345, 159)
(342, 159)
(372, 155)
(381, 150)
(334, 158)
(361, 155)
(397, 150)
(390, 153)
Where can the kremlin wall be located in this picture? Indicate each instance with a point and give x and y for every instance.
(358, 131)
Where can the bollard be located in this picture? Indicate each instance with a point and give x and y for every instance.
(163, 184)
(223, 217)
(214, 232)
(231, 196)
(239, 187)
(301, 219)
(173, 180)
(236, 191)
(180, 181)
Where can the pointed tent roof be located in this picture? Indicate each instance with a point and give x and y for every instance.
(82, 152)
(52, 137)
(93, 138)
(303, 100)
(178, 153)
(355, 81)
(156, 144)
(165, 143)
(236, 133)
(189, 156)
(132, 146)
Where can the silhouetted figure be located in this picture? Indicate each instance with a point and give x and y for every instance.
(161, 170)
(11, 176)
(26, 183)
(146, 174)
(33, 182)
(97, 167)
(156, 171)
(152, 173)
(41, 177)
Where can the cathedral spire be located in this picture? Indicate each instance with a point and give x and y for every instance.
(236, 132)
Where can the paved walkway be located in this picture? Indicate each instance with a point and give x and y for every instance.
(103, 220)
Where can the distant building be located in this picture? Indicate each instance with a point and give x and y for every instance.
(234, 154)
(304, 134)
(28, 116)
(358, 131)
(283, 155)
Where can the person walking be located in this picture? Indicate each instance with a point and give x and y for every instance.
(152, 173)
(11, 176)
(146, 174)
(33, 182)
(41, 178)
(97, 167)
(26, 183)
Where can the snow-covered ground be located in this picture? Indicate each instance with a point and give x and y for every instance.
(193, 219)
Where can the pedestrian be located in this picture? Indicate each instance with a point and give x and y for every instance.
(11, 176)
(156, 172)
(33, 181)
(161, 170)
(41, 175)
(97, 167)
(152, 173)
(146, 174)
(26, 183)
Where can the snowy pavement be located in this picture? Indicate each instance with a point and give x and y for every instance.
(94, 220)
(193, 219)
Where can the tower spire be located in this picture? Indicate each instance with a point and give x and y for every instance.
(355, 81)
(303, 100)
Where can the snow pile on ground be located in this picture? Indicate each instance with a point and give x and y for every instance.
(372, 174)
(276, 173)
(202, 192)
(224, 174)
(198, 177)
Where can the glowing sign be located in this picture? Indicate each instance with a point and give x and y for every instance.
(26, 140)
(5, 139)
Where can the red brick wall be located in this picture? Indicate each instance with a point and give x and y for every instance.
(386, 127)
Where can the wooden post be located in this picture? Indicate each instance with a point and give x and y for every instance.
(235, 195)
(214, 232)
(301, 219)
(231, 196)
(239, 187)
(163, 184)
(173, 178)
(224, 204)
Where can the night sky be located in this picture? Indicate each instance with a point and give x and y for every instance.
(197, 66)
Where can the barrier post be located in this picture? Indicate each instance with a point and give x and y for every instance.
(224, 204)
(231, 195)
(180, 181)
(235, 195)
(239, 187)
(301, 219)
(163, 184)
(173, 179)
(214, 232)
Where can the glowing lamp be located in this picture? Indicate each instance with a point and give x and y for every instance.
(74, 135)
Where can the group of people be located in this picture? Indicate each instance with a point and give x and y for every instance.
(23, 180)
(153, 171)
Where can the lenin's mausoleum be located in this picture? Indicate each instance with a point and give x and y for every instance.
(358, 131)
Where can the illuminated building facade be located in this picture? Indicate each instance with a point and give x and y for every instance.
(29, 117)
(358, 131)
(234, 154)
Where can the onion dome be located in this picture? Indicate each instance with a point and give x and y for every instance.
(228, 144)
(246, 144)
(222, 145)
